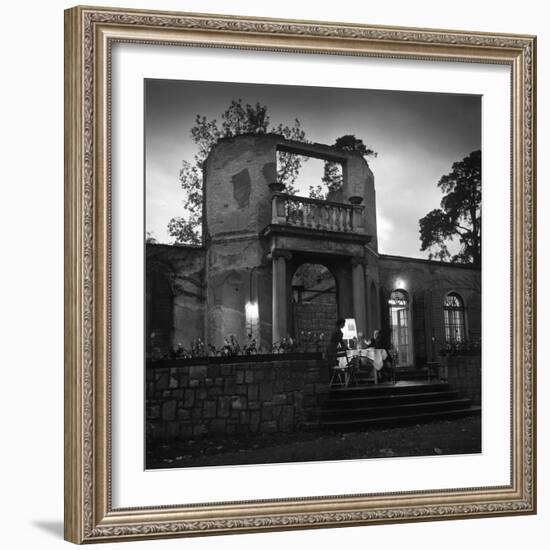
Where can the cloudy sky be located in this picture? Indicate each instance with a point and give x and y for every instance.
(417, 136)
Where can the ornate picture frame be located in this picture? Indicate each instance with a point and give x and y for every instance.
(90, 34)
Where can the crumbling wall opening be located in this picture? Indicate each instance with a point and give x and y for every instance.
(309, 175)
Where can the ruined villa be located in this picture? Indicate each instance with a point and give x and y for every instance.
(247, 277)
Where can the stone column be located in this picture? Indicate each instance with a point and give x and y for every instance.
(279, 294)
(359, 298)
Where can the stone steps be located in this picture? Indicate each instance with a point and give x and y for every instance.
(400, 388)
(382, 400)
(392, 405)
(400, 420)
(394, 409)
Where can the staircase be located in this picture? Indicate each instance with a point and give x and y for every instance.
(389, 405)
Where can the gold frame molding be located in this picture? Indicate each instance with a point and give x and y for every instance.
(89, 35)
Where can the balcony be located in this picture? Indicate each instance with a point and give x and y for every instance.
(315, 214)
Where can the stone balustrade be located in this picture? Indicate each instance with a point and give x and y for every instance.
(317, 214)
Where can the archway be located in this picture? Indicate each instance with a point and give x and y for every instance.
(314, 300)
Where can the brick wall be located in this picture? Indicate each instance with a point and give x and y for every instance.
(315, 317)
(464, 375)
(186, 401)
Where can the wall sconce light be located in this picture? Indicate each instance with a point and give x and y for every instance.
(400, 283)
(252, 316)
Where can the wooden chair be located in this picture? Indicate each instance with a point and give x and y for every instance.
(343, 373)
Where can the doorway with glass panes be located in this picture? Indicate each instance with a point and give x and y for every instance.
(400, 324)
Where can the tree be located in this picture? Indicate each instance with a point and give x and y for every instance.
(237, 119)
(459, 216)
(150, 238)
(332, 180)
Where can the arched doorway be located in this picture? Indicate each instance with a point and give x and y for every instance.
(399, 306)
(314, 300)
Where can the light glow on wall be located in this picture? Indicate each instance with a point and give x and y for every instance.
(400, 283)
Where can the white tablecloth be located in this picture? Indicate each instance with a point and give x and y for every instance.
(377, 356)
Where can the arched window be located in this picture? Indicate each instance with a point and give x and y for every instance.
(400, 332)
(453, 311)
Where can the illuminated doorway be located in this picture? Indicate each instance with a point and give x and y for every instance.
(400, 328)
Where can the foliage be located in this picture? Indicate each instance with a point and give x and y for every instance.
(332, 180)
(469, 347)
(150, 238)
(198, 348)
(237, 119)
(351, 143)
(305, 342)
(186, 230)
(459, 216)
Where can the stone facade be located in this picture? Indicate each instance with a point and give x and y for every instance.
(175, 297)
(464, 375)
(428, 283)
(256, 237)
(222, 399)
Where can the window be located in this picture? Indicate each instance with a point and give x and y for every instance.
(454, 318)
(399, 320)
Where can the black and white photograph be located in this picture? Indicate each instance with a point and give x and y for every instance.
(312, 273)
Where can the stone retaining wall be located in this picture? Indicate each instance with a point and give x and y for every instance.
(186, 401)
(464, 375)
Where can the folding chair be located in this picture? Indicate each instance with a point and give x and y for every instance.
(342, 373)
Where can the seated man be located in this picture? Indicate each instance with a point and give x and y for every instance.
(376, 340)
